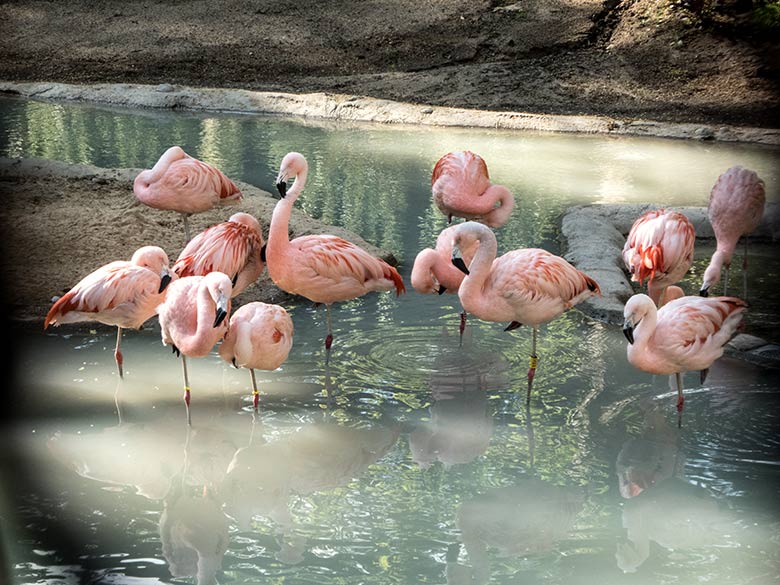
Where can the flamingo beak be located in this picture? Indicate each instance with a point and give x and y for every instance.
(222, 310)
(705, 291)
(165, 280)
(457, 260)
(628, 330)
(262, 253)
(442, 290)
(281, 186)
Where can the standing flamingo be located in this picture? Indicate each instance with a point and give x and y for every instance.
(233, 247)
(323, 268)
(120, 293)
(181, 183)
(192, 318)
(433, 271)
(659, 249)
(685, 334)
(736, 207)
(528, 286)
(259, 337)
(461, 187)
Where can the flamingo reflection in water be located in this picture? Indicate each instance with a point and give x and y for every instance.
(525, 519)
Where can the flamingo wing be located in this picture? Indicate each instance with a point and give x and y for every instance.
(118, 286)
(225, 247)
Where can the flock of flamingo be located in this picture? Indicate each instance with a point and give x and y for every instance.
(668, 332)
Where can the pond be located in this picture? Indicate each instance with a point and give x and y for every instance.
(409, 457)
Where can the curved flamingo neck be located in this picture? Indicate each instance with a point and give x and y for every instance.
(472, 287)
(645, 329)
(500, 215)
(171, 155)
(279, 231)
(205, 311)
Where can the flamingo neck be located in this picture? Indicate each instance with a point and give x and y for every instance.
(279, 231)
(154, 174)
(499, 215)
(206, 313)
(644, 331)
(472, 287)
(712, 273)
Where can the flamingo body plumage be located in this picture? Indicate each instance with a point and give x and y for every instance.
(527, 286)
(232, 247)
(260, 337)
(735, 209)
(323, 268)
(193, 318)
(179, 182)
(659, 249)
(121, 293)
(461, 187)
(685, 334)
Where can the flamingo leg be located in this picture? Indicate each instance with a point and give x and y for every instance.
(726, 281)
(532, 368)
(186, 388)
(186, 218)
(744, 271)
(255, 393)
(118, 353)
(329, 336)
(680, 397)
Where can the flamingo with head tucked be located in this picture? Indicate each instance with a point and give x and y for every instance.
(685, 334)
(525, 287)
(259, 337)
(461, 187)
(192, 318)
(433, 271)
(736, 207)
(179, 182)
(323, 268)
(659, 249)
(120, 293)
(233, 247)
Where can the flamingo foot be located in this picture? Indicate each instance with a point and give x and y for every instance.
(119, 361)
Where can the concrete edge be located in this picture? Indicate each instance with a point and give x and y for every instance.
(355, 108)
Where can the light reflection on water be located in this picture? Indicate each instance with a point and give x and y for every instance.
(410, 458)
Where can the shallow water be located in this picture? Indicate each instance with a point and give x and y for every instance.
(409, 458)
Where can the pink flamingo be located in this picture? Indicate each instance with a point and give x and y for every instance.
(233, 247)
(659, 249)
(323, 268)
(528, 286)
(260, 336)
(192, 318)
(461, 187)
(178, 182)
(736, 207)
(685, 334)
(433, 271)
(120, 293)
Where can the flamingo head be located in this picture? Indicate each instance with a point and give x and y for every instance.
(220, 289)
(635, 310)
(155, 259)
(293, 164)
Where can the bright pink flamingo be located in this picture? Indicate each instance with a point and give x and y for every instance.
(192, 318)
(259, 338)
(659, 249)
(685, 334)
(120, 293)
(323, 268)
(736, 207)
(525, 287)
(461, 187)
(181, 183)
(433, 271)
(233, 247)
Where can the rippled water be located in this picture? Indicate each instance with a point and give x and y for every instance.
(409, 458)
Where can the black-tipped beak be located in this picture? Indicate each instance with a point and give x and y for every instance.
(235, 365)
(460, 264)
(442, 290)
(221, 314)
(628, 331)
(704, 292)
(262, 253)
(164, 282)
(281, 186)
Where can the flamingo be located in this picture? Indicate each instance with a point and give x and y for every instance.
(685, 334)
(192, 318)
(528, 286)
(461, 187)
(433, 271)
(736, 207)
(120, 293)
(178, 182)
(323, 268)
(659, 249)
(260, 336)
(233, 247)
